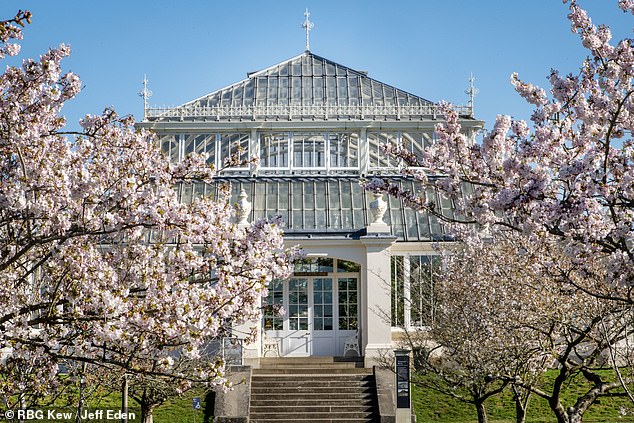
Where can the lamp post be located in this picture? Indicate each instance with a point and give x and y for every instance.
(403, 394)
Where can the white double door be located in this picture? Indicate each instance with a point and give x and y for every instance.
(321, 313)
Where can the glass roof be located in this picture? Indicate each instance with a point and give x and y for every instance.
(313, 207)
(309, 79)
(309, 86)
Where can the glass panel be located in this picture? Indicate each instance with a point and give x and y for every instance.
(248, 92)
(330, 69)
(342, 90)
(321, 264)
(283, 98)
(377, 93)
(169, 146)
(346, 204)
(366, 91)
(226, 98)
(309, 205)
(201, 144)
(331, 90)
(272, 303)
(345, 266)
(348, 319)
(261, 91)
(410, 224)
(309, 150)
(259, 201)
(322, 301)
(272, 91)
(320, 205)
(237, 96)
(307, 66)
(296, 68)
(187, 193)
(378, 159)
(353, 90)
(344, 150)
(423, 302)
(389, 95)
(334, 210)
(296, 90)
(234, 145)
(414, 143)
(397, 291)
(298, 304)
(274, 150)
(318, 86)
(307, 90)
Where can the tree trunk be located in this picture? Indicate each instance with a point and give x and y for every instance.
(575, 417)
(146, 413)
(520, 411)
(521, 397)
(482, 412)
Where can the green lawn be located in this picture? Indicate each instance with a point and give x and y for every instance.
(176, 410)
(431, 406)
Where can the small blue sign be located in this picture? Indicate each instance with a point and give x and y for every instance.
(196, 403)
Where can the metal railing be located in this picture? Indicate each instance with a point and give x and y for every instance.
(321, 111)
(230, 349)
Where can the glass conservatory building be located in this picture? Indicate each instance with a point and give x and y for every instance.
(317, 127)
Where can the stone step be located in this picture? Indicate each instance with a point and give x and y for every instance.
(366, 401)
(293, 388)
(340, 378)
(309, 382)
(311, 420)
(305, 410)
(311, 371)
(311, 390)
(296, 365)
(266, 361)
(315, 416)
(312, 396)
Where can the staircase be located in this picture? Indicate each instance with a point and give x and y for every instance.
(312, 390)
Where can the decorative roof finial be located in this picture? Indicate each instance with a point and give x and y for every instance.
(307, 25)
(471, 92)
(145, 93)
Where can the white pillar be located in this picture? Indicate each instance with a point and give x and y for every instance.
(376, 333)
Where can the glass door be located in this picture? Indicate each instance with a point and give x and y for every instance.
(320, 311)
(323, 317)
(298, 336)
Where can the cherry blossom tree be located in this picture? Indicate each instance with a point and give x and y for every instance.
(568, 174)
(507, 310)
(99, 261)
(564, 179)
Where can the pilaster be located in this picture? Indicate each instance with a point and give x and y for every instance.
(376, 334)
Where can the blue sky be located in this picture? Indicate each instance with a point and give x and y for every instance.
(427, 47)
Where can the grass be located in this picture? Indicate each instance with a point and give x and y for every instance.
(431, 406)
(176, 410)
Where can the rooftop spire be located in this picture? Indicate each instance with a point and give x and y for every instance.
(145, 93)
(307, 25)
(471, 92)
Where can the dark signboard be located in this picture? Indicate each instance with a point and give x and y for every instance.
(402, 381)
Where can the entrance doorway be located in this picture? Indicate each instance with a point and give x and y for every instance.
(320, 308)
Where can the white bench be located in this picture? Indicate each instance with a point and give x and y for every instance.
(352, 344)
